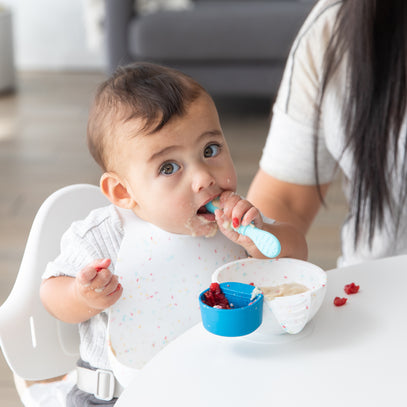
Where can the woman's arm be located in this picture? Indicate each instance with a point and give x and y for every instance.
(293, 206)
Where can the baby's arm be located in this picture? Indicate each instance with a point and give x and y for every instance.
(76, 299)
(236, 211)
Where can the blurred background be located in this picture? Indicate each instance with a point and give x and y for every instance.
(54, 53)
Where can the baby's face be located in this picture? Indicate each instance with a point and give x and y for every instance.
(173, 173)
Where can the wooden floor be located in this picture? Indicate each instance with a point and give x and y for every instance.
(42, 148)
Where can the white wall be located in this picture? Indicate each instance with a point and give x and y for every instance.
(51, 35)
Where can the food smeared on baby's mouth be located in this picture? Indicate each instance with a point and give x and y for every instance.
(203, 223)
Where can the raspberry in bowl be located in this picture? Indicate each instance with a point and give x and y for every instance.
(231, 309)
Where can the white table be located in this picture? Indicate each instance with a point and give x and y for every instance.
(355, 355)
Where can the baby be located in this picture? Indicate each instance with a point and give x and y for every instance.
(155, 133)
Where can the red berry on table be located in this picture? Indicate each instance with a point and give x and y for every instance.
(338, 301)
(351, 288)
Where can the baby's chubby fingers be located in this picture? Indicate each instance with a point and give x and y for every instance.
(248, 214)
(113, 286)
(89, 273)
(227, 201)
(97, 286)
(240, 211)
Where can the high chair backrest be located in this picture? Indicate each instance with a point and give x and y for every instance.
(37, 346)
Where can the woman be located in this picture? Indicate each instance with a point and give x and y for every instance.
(342, 105)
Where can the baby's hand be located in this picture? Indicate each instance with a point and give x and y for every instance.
(97, 285)
(235, 211)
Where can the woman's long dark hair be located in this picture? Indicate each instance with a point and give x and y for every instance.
(372, 35)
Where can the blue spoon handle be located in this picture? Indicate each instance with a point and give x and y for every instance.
(266, 242)
(211, 207)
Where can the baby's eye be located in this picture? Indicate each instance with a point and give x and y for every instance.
(212, 150)
(169, 168)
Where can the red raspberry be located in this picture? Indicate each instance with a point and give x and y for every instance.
(340, 301)
(351, 288)
(215, 297)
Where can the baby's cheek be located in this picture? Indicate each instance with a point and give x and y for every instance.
(172, 219)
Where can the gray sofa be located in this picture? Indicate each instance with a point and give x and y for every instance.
(231, 47)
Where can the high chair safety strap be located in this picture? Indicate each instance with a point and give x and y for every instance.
(100, 382)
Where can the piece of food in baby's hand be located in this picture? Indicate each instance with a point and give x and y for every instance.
(215, 298)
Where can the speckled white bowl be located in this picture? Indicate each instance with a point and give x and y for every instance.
(291, 312)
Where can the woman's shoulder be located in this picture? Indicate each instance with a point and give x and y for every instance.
(319, 24)
(302, 77)
(323, 9)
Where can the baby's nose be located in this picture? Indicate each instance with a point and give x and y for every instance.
(202, 179)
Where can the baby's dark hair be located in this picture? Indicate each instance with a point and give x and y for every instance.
(146, 91)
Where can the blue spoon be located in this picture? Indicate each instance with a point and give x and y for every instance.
(266, 242)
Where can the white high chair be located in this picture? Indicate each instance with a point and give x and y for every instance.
(35, 345)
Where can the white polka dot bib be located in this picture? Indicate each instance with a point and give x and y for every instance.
(162, 275)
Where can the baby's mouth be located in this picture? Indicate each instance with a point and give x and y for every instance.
(202, 211)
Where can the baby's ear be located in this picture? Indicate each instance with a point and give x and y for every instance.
(116, 191)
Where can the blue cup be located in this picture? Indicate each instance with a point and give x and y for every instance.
(244, 316)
